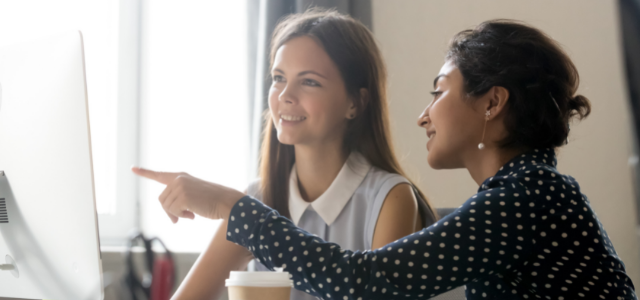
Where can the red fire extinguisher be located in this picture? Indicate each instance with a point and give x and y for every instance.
(163, 280)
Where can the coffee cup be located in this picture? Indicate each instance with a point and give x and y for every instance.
(259, 285)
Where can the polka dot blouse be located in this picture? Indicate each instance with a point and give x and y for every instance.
(527, 234)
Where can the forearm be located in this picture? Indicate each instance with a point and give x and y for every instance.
(254, 226)
(206, 279)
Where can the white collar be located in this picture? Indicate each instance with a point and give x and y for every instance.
(333, 200)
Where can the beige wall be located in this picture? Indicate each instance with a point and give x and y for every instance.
(413, 36)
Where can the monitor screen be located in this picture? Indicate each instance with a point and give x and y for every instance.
(48, 221)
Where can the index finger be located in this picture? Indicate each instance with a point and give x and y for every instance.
(162, 177)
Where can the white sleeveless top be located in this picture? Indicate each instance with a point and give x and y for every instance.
(347, 212)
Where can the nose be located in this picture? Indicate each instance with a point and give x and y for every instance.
(287, 95)
(423, 119)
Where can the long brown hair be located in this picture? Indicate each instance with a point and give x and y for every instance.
(352, 48)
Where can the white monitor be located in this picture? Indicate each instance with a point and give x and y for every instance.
(49, 245)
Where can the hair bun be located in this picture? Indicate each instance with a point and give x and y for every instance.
(580, 107)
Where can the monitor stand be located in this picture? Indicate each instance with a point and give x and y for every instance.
(20, 237)
(10, 266)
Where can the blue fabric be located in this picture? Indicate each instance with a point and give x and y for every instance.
(528, 233)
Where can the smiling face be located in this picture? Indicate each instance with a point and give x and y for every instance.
(308, 100)
(453, 123)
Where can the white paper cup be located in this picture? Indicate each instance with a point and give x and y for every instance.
(259, 285)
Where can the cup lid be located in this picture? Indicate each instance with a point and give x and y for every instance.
(259, 279)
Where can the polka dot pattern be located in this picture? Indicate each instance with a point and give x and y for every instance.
(527, 234)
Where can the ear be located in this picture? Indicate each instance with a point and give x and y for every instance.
(358, 104)
(497, 100)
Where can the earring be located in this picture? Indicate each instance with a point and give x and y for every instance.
(487, 114)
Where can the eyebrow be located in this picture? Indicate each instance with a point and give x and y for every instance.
(435, 81)
(303, 73)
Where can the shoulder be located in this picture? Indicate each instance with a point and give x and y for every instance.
(534, 190)
(394, 191)
(379, 181)
(397, 216)
(536, 181)
(400, 199)
(390, 192)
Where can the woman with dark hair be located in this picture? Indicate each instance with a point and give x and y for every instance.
(502, 105)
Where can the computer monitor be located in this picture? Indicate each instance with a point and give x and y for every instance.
(49, 243)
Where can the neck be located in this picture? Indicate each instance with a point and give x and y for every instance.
(317, 166)
(485, 163)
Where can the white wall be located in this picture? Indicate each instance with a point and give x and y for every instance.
(413, 36)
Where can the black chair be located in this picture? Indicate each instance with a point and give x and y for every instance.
(445, 211)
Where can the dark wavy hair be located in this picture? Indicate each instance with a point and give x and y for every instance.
(541, 80)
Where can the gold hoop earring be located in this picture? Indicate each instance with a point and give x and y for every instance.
(487, 114)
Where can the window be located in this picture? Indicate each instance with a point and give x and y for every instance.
(167, 84)
(98, 20)
(194, 105)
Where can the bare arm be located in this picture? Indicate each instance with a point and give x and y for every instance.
(206, 278)
(398, 216)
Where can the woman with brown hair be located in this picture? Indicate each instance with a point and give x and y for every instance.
(502, 105)
(327, 162)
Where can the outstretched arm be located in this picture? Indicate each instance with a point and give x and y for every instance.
(491, 233)
(484, 236)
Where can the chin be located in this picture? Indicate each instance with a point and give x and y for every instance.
(286, 140)
(290, 138)
(434, 163)
(437, 161)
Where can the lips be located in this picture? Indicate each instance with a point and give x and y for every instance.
(292, 117)
(430, 134)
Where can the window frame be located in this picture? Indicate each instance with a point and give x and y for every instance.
(115, 228)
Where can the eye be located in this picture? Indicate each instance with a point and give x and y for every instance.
(436, 94)
(278, 78)
(310, 82)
